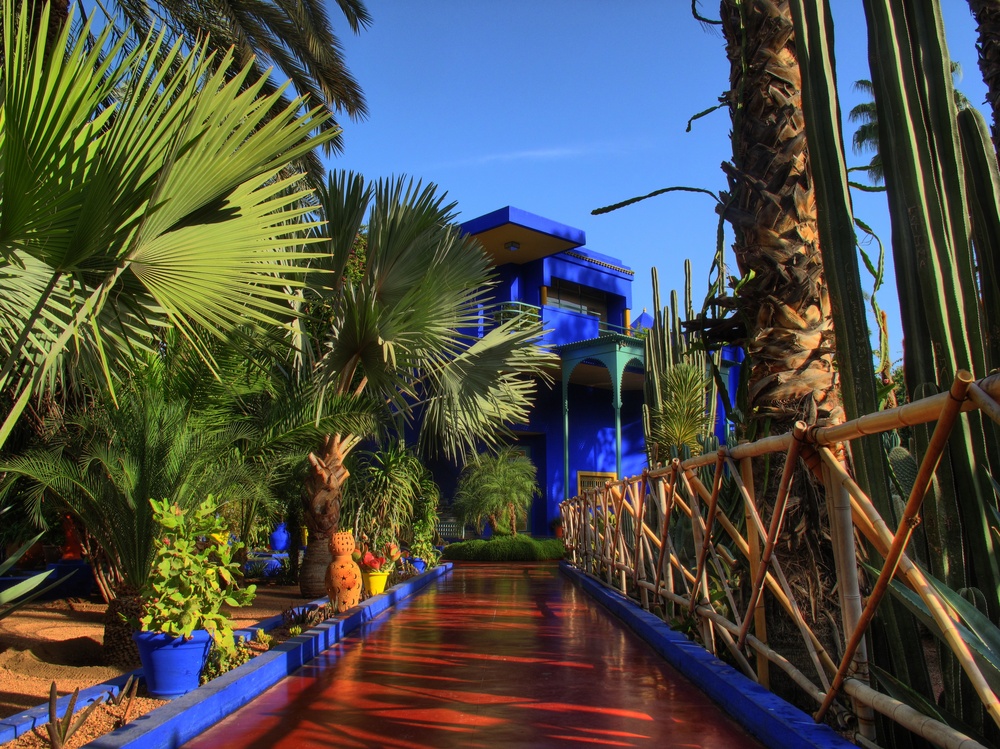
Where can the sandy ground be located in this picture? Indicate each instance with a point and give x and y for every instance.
(62, 641)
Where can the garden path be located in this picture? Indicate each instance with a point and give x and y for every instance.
(492, 655)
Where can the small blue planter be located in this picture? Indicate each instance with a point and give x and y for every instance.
(280, 538)
(418, 564)
(172, 665)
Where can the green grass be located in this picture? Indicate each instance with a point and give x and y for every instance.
(519, 548)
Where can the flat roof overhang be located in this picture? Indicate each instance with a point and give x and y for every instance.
(535, 236)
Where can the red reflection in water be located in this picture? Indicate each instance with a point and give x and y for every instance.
(492, 656)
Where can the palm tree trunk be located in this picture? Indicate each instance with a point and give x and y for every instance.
(772, 208)
(321, 498)
(987, 15)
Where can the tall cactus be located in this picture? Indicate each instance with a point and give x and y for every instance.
(932, 250)
(676, 377)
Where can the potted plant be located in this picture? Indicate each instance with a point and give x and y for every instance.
(423, 554)
(193, 575)
(425, 520)
(375, 569)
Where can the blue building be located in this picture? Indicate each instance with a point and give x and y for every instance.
(588, 427)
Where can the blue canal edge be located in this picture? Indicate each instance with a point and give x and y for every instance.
(770, 719)
(184, 718)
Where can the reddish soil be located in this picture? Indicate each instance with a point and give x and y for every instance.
(62, 641)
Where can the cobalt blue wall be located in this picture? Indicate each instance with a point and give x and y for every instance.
(592, 442)
(574, 269)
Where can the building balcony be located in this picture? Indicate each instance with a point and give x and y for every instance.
(561, 326)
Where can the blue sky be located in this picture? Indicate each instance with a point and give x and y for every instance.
(561, 106)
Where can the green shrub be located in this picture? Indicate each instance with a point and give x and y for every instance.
(519, 548)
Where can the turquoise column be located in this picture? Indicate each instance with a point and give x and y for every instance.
(565, 405)
(618, 430)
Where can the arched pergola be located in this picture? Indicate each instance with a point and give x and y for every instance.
(615, 351)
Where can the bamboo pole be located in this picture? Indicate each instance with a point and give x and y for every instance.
(640, 498)
(882, 539)
(910, 414)
(782, 590)
(934, 731)
(772, 656)
(778, 443)
(664, 502)
(700, 586)
(618, 552)
(606, 543)
(909, 521)
(986, 404)
(846, 563)
(590, 508)
(668, 492)
(744, 482)
(778, 516)
(940, 734)
(713, 506)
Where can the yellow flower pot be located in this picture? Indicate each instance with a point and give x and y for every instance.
(375, 581)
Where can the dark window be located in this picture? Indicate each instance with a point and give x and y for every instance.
(572, 296)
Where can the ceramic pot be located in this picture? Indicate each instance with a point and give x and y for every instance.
(172, 665)
(375, 582)
(280, 538)
(418, 564)
(343, 576)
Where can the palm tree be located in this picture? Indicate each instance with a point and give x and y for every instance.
(784, 300)
(107, 462)
(395, 333)
(499, 488)
(139, 193)
(866, 136)
(295, 38)
(987, 15)
(386, 486)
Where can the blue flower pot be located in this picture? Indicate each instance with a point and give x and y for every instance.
(418, 564)
(172, 665)
(280, 538)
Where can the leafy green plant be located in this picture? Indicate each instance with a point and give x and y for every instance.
(131, 684)
(395, 334)
(295, 630)
(61, 729)
(424, 528)
(193, 575)
(680, 395)
(263, 639)
(99, 141)
(385, 487)
(221, 660)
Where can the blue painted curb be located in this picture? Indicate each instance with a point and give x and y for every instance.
(772, 720)
(187, 716)
(300, 649)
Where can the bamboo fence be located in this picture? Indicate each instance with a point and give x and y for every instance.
(624, 535)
